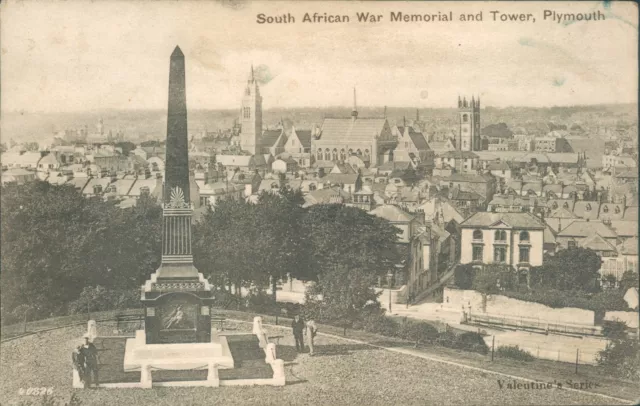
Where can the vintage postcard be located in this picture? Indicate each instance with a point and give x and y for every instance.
(319, 203)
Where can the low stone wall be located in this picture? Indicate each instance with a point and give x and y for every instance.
(497, 305)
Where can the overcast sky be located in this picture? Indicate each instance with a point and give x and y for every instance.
(77, 55)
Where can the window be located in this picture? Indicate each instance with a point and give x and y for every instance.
(366, 153)
(617, 210)
(246, 112)
(499, 254)
(359, 153)
(465, 118)
(327, 155)
(477, 234)
(343, 155)
(605, 209)
(501, 235)
(320, 154)
(312, 186)
(554, 205)
(524, 236)
(565, 205)
(334, 155)
(588, 208)
(524, 254)
(571, 244)
(477, 252)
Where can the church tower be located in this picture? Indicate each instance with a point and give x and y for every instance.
(251, 117)
(469, 125)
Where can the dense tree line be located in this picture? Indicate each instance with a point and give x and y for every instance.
(59, 248)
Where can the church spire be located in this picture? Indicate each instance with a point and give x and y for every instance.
(252, 78)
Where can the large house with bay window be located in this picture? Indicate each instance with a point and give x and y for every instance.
(514, 239)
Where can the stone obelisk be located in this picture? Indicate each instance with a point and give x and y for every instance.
(177, 298)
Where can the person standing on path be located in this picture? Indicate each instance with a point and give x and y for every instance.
(297, 325)
(311, 331)
(90, 354)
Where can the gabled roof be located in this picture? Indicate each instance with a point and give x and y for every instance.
(625, 228)
(586, 209)
(562, 213)
(102, 182)
(459, 154)
(349, 130)
(499, 166)
(597, 243)
(629, 247)
(326, 196)
(548, 236)
(583, 228)
(631, 213)
(418, 140)
(468, 177)
(343, 168)
(323, 164)
(269, 137)
(304, 136)
(391, 165)
(392, 213)
(561, 203)
(341, 178)
(514, 220)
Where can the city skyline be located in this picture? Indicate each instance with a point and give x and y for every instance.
(97, 60)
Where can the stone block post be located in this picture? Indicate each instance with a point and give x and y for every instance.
(270, 353)
(92, 330)
(212, 377)
(278, 372)
(145, 376)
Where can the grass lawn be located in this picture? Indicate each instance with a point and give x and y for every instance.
(342, 373)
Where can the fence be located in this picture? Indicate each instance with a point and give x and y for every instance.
(535, 324)
(447, 340)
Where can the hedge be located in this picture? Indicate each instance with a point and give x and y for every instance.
(514, 352)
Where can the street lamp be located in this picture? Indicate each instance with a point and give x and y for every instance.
(389, 276)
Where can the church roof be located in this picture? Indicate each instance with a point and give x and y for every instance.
(269, 137)
(347, 129)
(418, 140)
(305, 137)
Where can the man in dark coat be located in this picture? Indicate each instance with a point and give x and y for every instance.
(90, 354)
(78, 361)
(297, 325)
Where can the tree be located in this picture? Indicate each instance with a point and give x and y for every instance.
(573, 268)
(342, 295)
(629, 279)
(463, 276)
(342, 236)
(500, 130)
(126, 146)
(55, 242)
(493, 278)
